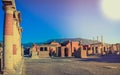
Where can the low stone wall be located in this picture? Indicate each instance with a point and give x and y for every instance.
(34, 55)
(44, 54)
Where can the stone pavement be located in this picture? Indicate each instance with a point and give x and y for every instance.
(70, 66)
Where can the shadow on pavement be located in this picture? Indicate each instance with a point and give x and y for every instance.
(106, 59)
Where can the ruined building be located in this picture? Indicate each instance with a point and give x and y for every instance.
(73, 49)
(65, 49)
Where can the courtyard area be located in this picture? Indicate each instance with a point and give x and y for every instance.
(106, 65)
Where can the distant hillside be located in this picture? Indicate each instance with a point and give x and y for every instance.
(29, 44)
(84, 41)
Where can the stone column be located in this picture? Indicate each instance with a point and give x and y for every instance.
(62, 52)
(69, 52)
(103, 51)
(15, 45)
(83, 54)
(8, 40)
(22, 53)
(99, 50)
(18, 41)
(57, 51)
(92, 49)
(1, 58)
(95, 50)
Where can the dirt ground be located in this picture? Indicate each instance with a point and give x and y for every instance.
(106, 65)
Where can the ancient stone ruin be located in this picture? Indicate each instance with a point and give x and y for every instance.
(12, 49)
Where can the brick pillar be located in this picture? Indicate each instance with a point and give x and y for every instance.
(69, 52)
(57, 51)
(99, 50)
(8, 40)
(62, 52)
(83, 54)
(103, 52)
(94, 50)
(1, 58)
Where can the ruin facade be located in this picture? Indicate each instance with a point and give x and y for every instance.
(55, 49)
(74, 49)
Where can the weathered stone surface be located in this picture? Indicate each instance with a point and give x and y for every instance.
(34, 55)
(83, 54)
(73, 66)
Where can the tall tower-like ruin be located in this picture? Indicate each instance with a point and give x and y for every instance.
(12, 38)
(102, 41)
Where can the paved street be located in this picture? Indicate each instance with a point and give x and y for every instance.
(71, 66)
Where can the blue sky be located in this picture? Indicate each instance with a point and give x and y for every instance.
(50, 19)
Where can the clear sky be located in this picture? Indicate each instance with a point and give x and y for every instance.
(50, 19)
